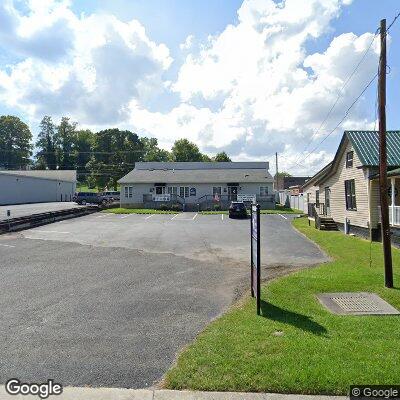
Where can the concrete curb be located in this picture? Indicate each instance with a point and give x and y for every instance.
(82, 393)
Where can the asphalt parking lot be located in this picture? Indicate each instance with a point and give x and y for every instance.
(109, 300)
(22, 210)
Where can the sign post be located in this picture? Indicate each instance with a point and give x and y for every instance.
(255, 254)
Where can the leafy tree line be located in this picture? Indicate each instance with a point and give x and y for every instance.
(100, 158)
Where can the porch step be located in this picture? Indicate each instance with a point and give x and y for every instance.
(328, 224)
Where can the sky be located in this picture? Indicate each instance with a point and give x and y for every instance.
(250, 77)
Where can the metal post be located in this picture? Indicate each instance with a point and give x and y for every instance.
(392, 181)
(276, 172)
(387, 251)
(251, 251)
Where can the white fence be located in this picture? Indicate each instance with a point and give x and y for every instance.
(295, 201)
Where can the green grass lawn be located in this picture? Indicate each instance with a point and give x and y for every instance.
(138, 211)
(296, 346)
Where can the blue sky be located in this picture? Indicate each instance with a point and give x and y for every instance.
(253, 78)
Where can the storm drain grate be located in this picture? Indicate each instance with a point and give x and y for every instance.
(356, 304)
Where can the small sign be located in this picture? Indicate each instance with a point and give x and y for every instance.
(255, 254)
(8, 213)
(162, 197)
(251, 198)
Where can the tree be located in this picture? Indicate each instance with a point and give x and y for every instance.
(183, 150)
(114, 155)
(152, 152)
(46, 156)
(15, 143)
(84, 142)
(222, 157)
(65, 140)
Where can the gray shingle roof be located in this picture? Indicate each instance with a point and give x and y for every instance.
(58, 175)
(366, 144)
(201, 174)
(149, 165)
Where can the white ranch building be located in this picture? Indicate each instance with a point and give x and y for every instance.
(36, 186)
(197, 185)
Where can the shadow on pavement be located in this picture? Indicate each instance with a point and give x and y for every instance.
(299, 321)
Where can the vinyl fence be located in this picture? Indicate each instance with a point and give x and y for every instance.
(295, 201)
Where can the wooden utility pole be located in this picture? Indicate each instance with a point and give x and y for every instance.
(276, 172)
(387, 250)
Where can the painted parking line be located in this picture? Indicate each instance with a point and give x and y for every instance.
(194, 217)
(36, 231)
(282, 216)
(222, 217)
(124, 216)
(151, 215)
(7, 245)
(102, 216)
(174, 216)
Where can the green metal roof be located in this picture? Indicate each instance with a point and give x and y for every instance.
(366, 144)
(394, 172)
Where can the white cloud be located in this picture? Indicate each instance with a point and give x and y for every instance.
(103, 63)
(252, 90)
(188, 43)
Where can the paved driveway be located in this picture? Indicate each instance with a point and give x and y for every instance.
(108, 300)
(21, 210)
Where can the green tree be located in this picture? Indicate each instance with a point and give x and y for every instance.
(47, 145)
(222, 157)
(114, 155)
(152, 152)
(84, 142)
(183, 150)
(65, 144)
(15, 142)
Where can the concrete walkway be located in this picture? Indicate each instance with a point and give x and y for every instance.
(75, 393)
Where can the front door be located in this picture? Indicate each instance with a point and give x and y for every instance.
(327, 201)
(232, 193)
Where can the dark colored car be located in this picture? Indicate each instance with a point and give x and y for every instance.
(90, 198)
(111, 196)
(237, 209)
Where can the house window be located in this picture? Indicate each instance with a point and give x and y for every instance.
(317, 198)
(349, 159)
(172, 190)
(350, 193)
(160, 189)
(128, 192)
(217, 190)
(184, 191)
(193, 191)
(263, 191)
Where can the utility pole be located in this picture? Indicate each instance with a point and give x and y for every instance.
(276, 172)
(387, 250)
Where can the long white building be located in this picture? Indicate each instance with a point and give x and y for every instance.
(36, 186)
(197, 185)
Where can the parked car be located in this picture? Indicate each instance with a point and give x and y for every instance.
(90, 198)
(237, 209)
(111, 196)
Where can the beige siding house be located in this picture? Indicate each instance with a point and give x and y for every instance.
(346, 191)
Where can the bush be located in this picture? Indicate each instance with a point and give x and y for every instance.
(175, 207)
(164, 207)
(217, 207)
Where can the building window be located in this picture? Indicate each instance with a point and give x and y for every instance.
(217, 190)
(263, 191)
(184, 191)
(317, 198)
(128, 192)
(193, 191)
(350, 193)
(160, 189)
(349, 159)
(172, 190)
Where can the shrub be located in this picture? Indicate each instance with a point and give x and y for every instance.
(164, 207)
(175, 207)
(217, 207)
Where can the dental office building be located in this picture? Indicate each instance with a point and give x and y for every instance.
(197, 185)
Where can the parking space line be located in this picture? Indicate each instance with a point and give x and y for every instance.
(195, 216)
(174, 216)
(222, 217)
(102, 216)
(6, 245)
(282, 216)
(124, 216)
(66, 233)
(151, 215)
